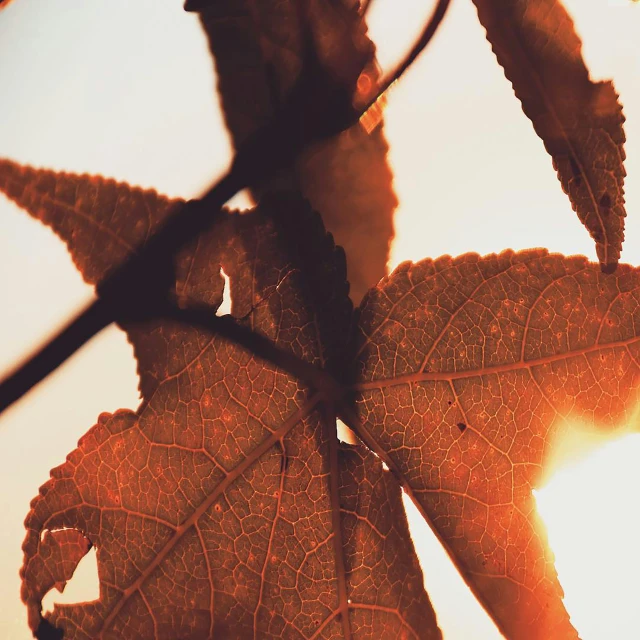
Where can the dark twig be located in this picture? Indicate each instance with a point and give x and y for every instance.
(372, 113)
(90, 321)
(313, 112)
(423, 40)
(116, 294)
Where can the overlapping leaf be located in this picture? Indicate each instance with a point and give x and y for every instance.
(102, 222)
(259, 50)
(579, 121)
(225, 506)
(467, 369)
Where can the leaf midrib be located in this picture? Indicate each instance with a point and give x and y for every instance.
(439, 376)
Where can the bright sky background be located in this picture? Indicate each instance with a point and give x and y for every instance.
(126, 89)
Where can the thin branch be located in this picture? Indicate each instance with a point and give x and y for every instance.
(117, 292)
(421, 43)
(99, 314)
(372, 114)
(313, 112)
(90, 321)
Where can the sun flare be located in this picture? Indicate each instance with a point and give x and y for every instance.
(593, 526)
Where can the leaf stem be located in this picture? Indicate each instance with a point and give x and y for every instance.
(329, 423)
(258, 345)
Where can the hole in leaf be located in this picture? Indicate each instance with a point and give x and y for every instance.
(225, 308)
(345, 434)
(83, 586)
(44, 532)
(241, 201)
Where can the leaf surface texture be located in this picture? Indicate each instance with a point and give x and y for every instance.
(579, 121)
(225, 506)
(468, 369)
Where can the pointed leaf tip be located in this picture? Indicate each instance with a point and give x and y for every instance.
(579, 121)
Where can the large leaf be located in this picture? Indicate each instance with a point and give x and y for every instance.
(259, 50)
(579, 121)
(225, 506)
(468, 369)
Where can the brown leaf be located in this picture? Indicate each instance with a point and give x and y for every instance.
(468, 369)
(579, 121)
(259, 50)
(102, 222)
(225, 505)
(60, 552)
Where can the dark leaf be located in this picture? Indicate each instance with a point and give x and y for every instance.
(579, 121)
(259, 50)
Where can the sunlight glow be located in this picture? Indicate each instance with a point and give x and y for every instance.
(589, 509)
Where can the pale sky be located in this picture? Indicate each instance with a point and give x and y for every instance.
(126, 89)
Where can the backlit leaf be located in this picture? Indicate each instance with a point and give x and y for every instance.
(579, 121)
(467, 370)
(225, 506)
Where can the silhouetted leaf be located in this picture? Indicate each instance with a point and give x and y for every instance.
(579, 121)
(102, 222)
(259, 50)
(514, 348)
(225, 506)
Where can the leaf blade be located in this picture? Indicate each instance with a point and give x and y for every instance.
(466, 369)
(579, 121)
(210, 506)
(259, 52)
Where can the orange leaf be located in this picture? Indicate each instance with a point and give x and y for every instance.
(225, 506)
(467, 368)
(579, 121)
